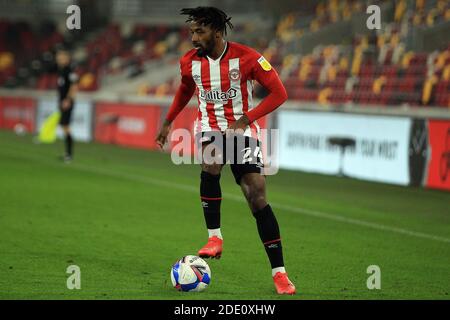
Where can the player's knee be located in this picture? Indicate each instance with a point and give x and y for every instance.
(255, 196)
(258, 202)
(212, 169)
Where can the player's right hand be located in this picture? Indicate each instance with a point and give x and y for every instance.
(162, 135)
(65, 104)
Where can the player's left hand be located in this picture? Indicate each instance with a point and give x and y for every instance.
(239, 125)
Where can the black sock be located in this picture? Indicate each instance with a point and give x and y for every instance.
(68, 143)
(211, 197)
(269, 233)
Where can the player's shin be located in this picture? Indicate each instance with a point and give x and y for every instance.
(211, 197)
(269, 233)
(68, 144)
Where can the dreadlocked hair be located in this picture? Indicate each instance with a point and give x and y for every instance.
(208, 16)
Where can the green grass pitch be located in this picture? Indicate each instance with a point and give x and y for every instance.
(124, 216)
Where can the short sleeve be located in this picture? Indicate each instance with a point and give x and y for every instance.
(186, 76)
(261, 69)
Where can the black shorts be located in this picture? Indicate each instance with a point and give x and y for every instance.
(243, 153)
(66, 115)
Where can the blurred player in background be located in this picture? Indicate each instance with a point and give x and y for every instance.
(67, 88)
(223, 72)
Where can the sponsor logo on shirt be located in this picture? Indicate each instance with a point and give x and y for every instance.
(218, 96)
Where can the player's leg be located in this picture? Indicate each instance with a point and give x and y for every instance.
(253, 186)
(68, 141)
(211, 198)
(247, 173)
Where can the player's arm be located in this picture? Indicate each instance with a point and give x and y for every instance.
(67, 102)
(182, 97)
(268, 77)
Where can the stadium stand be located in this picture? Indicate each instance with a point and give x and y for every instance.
(374, 69)
(378, 68)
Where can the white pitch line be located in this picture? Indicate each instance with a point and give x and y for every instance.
(183, 187)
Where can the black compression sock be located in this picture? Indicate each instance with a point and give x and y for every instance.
(211, 197)
(69, 145)
(269, 233)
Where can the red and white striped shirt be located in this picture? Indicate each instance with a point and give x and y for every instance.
(224, 88)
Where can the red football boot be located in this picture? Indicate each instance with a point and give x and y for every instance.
(213, 249)
(283, 284)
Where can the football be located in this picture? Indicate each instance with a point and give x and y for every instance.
(190, 273)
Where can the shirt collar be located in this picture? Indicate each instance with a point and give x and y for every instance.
(220, 57)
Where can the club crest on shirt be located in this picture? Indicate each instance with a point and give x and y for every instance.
(264, 64)
(234, 75)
